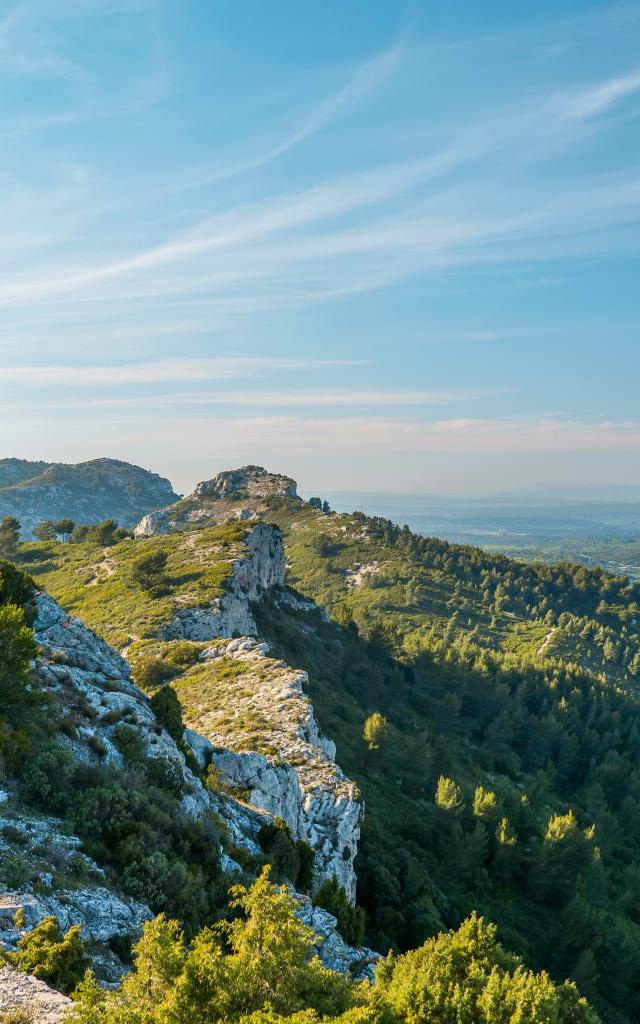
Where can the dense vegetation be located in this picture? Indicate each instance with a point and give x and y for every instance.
(129, 819)
(259, 967)
(19, 701)
(506, 781)
(414, 591)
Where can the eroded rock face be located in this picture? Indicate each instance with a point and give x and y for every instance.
(261, 570)
(18, 990)
(266, 743)
(285, 768)
(235, 494)
(92, 683)
(250, 481)
(357, 961)
(101, 914)
(282, 763)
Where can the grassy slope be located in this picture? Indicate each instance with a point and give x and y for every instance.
(96, 584)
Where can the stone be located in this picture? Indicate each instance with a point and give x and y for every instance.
(221, 500)
(18, 990)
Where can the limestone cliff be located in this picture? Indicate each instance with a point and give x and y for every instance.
(261, 722)
(91, 690)
(261, 569)
(266, 743)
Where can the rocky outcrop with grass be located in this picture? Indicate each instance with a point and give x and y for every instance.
(233, 494)
(99, 715)
(27, 1000)
(258, 571)
(266, 744)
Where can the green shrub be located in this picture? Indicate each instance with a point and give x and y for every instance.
(466, 975)
(49, 778)
(16, 587)
(129, 742)
(154, 672)
(148, 572)
(164, 774)
(332, 896)
(15, 870)
(168, 711)
(59, 960)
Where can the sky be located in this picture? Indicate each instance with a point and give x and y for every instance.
(375, 245)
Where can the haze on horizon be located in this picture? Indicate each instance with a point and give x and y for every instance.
(377, 246)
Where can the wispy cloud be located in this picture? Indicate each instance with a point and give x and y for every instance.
(160, 371)
(429, 169)
(599, 98)
(359, 436)
(364, 80)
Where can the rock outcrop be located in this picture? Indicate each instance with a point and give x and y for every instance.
(91, 689)
(279, 760)
(266, 744)
(358, 962)
(262, 569)
(101, 913)
(88, 492)
(248, 481)
(92, 685)
(238, 494)
(20, 991)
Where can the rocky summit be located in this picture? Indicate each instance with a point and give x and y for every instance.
(88, 492)
(241, 494)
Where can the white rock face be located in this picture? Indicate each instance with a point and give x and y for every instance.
(297, 779)
(230, 615)
(253, 481)
(88, 677)
(101, 914)
(357, 961)
(221, 500)
(18, 990)
(291, 772)
(293, 775)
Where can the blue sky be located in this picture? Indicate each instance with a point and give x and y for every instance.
(376, 245)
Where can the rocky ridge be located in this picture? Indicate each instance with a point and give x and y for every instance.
(92, 691)
(88, 492)
(266, 742)
(260, 570)
(269, 746)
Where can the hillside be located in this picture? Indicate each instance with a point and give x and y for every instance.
(110, 811)
(88, 492)
(505, 779)
(419, 590)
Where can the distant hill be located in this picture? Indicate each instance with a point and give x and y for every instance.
(14, 471)
(87, 492)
